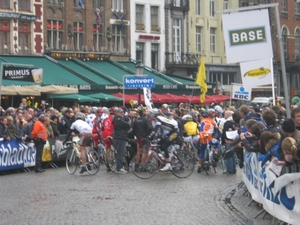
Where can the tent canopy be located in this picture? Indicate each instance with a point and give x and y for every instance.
(75, 97)
(105, 97)
(19, 90)
(56, 89)
(169, 98)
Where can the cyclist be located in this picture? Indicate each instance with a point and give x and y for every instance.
(191, 130)
(169, 127)
(107, 132)
(208, 127)
(141, 128)
(85, 134)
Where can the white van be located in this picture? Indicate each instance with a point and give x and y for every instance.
(264, 101)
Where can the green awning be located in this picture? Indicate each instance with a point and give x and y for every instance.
(105, 97)
(87, 73)
(75, 97)
(52, 72)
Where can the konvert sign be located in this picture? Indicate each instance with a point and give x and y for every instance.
(142, 81)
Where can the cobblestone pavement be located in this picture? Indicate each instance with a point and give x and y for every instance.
(55, 197)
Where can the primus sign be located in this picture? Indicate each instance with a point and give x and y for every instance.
(247, 36)
(22, 74)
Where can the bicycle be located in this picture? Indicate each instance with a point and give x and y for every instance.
(182, 162)
(189, 146)
(211, 159)
(73, 159)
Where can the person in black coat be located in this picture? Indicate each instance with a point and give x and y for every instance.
(54, 125)
(3, 129)
(121, 128)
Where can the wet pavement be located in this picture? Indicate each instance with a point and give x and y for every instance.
(55, 197)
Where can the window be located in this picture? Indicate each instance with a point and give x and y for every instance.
(54, 33)
(24, 38)
(4, 37)
(225, 4)
(78, 35)
(176, 3)
(284, 9)
(4, 4)
(198, 39)
(222, 78)
(212, 9)
(139, 17)
(154, 56)
(139, 51)
(118, 38)
(154, 18)
(54, 1)
(96, 4)
(117, 5)
(213, 40)
(297, 44)
(198, 7)
(97, 38)
(297, 10)
(24, 5)
(285, 43)
(177, 39)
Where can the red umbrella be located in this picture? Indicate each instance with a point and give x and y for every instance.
(178, 98)
(129, 97)
(161, 98)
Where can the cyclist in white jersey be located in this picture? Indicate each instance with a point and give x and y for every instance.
(169, 128)
(85, 133)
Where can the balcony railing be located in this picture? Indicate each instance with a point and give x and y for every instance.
(182, 58)
(183, 5)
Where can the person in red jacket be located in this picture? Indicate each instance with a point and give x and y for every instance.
(39, 135)
(97, 127)
(108, 129)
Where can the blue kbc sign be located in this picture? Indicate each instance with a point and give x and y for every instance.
(139, 82)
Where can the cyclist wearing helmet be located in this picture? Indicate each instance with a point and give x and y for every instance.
(85, 133)
(91, 116)
(191, 129)
(207, 127)
(169, 128)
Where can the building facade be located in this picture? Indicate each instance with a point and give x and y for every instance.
(87, 26)
(21, 27)
(289, 17)
(148, 33)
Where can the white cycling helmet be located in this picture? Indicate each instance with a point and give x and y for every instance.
(187, 117)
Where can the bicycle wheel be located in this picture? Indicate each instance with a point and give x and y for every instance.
(112, 161)
(71, 162)
(183, 164)
(146, 171)
(190, 148)
(92, 162)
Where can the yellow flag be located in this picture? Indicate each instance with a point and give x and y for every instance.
(201, 80)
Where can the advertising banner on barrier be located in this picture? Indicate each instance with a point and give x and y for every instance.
(247, 33)
(279, 195)
(16, 155)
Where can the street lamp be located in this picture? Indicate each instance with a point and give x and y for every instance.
(139, 68)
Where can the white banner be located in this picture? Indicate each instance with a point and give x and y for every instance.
(240, 92)
(257, 73)
(280, 196)
(247, 36)
(148, 98)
